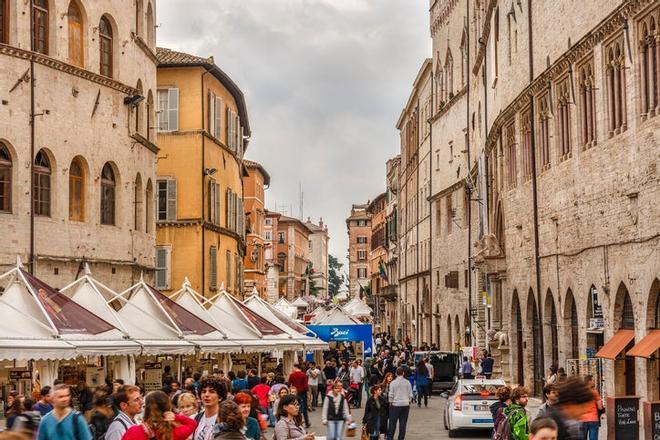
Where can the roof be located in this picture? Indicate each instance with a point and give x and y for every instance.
(170, 58)
(378, 198)
(286, 219)
(255, 165)
(426, 64)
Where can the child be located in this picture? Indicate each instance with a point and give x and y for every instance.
(187, 405)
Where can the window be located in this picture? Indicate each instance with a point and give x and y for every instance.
(139, 23)
(449, 76)
(216, 122)
(148, 218)
(163, 264)
(280, 237)
(615, 84)
(362, 272)
(269, 221)
(41, 184)
(213, 268)
(5, 178)
(151, 29)
(464, 66)
(362, 255)
(168, 109)
(564, 102)
(526, 135)
(451, 279)
(587, 103)
(137, 198)
(75, 35)
(362, 223)
(544, 131)
(213, 201)
(150, 114)
(108, 188)
(76, 192)
(105, 38)
(450, 211)
(362, 239)
(648, 59)
(166, 202)
(39, 26)
(214, 108)
(438, 218)
(496, 43)
(511, 153)
(4, 21)
(466, 205)
(268, 235)
(228, 273)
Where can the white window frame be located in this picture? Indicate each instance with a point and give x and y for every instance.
(168, 110)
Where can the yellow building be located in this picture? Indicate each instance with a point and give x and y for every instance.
(202, 132)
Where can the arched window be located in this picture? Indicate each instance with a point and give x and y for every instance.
(150, 114)
(40, 26)
(627, 314)
(75, 35)
(151, 28)
(587, 104)
(138, 203)
(649, 68)
(138, 110)
(76, 191)
(108, 187)
(139, 18)
(149, 197)
(105, 36)
(449, 76)
(616, 87)
(4, 21)
(41, 184)
(5, 179)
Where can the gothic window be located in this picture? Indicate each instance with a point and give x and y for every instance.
(148, 218)
(75, 35)
(105, 36)
(649, 69)
(564, 102)
(139, 17)
(511, 156)
(544, 131)
(151, 28)
(627, 314)
(615, 84)
(587, 104)
(4, 21)
(439, 88)
(41, 184)
(40, 26)
(108, 188)
(526, 136)
(464, 60)
(76, 191)
(5, 178)
(139, 203)
(449, 77)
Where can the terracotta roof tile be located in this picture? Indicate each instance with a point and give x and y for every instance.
(169, 56)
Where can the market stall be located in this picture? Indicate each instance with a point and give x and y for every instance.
(347, 337)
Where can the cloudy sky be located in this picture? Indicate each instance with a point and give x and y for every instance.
(325, 82)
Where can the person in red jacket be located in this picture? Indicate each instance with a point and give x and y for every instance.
(298, 379)
(160, 422)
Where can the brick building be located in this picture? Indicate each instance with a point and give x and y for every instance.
(254, 200)
(318, 242)
(293, 257)
(358, 226)
(77, 152)
(378, 255)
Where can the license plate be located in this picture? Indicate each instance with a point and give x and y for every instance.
(481, 407)
(482, 420)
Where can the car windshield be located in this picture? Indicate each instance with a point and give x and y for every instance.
(484, 389)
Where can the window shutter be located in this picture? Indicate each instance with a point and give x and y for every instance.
(216, 203)
(227, 208)
(209, 110)
(228, 127)
(218, 112)
(241, 147)
(173, 106)
(171, 199)
(163, 256)
(213, 282)
(228, 273)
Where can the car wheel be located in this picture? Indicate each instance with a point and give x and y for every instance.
(444, 419)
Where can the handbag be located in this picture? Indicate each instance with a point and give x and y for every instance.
(365, 433)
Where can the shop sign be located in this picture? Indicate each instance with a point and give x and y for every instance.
(94, 376)
(596, 306)
(20, 374)
(153, 376)
(596, 323)
(354, 333)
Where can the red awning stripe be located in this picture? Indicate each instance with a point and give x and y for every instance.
(615, 346)
(647, 346)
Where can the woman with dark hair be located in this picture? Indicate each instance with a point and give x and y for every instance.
(422, 382)
(387, 380)
(231, 427)
(375, 413)
(552, 376)
(15, 410)
(290, 422)
(503, 395)
(160, 422)
(244, 402)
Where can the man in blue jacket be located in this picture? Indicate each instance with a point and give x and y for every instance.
(63, 423)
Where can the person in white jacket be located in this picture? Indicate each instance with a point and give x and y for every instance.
(400, 394)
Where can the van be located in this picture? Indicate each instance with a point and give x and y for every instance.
(445, 364)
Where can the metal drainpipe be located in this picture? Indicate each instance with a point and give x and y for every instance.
(468, 190)
(203, 222)
(430, 216)
(32, 143)
(540, 367)
(418, 314)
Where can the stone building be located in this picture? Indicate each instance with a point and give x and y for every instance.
(254, 199)
(318, 242)
(390, 309)
(270, 253)
(547, 156)
(77, 151)
(203, 129)
(358, 226)
(377, 255)
(293, 257)
(414, 213)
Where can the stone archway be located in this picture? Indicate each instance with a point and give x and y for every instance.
(517, 340)
(450, 335)
(551, 330)
(457, 332)
(653, 322)
(570, 320)
(534, 356)
(624, 366)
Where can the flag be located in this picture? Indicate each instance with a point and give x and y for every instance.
(382, 271)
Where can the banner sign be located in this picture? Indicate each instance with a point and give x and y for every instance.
(349, 333)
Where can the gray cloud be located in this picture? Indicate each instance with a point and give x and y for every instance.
(325, 82)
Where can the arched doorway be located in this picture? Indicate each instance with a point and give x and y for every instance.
(457, 333)
(517, 340)
(550, 330)
(468, 336)
(624, 366)
(534, 356)
(571, 326)
(652, 367)
(595, 324)
(450, 335)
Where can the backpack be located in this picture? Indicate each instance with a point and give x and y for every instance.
(503, 426)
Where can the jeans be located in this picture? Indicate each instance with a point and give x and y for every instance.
(335, 429)
(398, 414)
(376, 432)
(271, 416)
(315, 395)
(590, 430)
(358, 399)
(423, 391)
(302, 395)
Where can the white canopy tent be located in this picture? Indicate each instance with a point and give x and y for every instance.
(300, 303)
(285, 307)
(358, 308)
(337, 315)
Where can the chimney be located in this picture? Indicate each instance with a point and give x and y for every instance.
(321, 222)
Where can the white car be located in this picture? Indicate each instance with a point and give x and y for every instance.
(468, 404)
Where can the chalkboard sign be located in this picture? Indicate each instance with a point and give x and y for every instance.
(623, 418)
(652, 420)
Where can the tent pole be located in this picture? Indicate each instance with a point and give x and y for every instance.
(179, 372)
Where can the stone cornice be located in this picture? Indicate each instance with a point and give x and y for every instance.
(139, 41)
(442, 16)
(52, 63)
(449, 104)
(612, 24)
(137, 137)
(450, 189)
